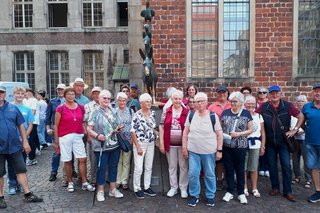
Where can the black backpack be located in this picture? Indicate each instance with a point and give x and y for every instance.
(212, 118)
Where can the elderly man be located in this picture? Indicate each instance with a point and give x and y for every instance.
(276, 114)
(89, 108)
(11, 146)
(311, 112)
(79, 86)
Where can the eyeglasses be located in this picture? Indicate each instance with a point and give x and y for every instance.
(260, 93)
(105, 98)
(234, 101)
(200, 101)
(191, 102)
(246, 93)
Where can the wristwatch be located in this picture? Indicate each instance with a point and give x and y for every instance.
(296, 128)
(219, 150)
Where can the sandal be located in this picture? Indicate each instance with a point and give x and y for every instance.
(246, 193)
(307, 185)
(256, 193)
(296, 180)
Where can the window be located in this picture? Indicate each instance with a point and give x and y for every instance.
(122, 13)
(92, 13)
(24, 68)
(125, 56)
(58, 13)
(58, 64)
(218, 35)
(309, 38)
(93, 68)
(22, 12)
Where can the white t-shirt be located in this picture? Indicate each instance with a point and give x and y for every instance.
(34, 105)
(201, 138)
(257, 120)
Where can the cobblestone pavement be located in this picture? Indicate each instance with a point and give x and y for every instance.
(57, 199)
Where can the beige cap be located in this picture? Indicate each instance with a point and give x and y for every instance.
(79, 81)
(96, 89)
(61, 86)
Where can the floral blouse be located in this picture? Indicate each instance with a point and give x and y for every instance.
(100, 120)
(125, 117)
(144, 128)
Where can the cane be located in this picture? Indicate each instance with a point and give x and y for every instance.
(98, 170)
(161, 172)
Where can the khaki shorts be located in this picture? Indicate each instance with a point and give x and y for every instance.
(252, 160)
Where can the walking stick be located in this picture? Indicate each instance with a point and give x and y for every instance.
(98, 170)
(161, 172)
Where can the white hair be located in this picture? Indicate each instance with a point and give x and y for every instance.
(201, 95)
(302, 98)
(177, 92)
(262, 89)
(170, 91)
(238, 95)
(121, 95)
(104, 93)
(249, 98)
(145, 97)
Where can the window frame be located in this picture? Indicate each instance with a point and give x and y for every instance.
(51, 2)
(220, 43)
(26, 71)
(92, 2)
(23, 4)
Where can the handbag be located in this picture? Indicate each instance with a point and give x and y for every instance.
(290, 141)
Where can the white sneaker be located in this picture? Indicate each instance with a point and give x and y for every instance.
(246, 193)
(100, 196)
(267, 174)
(243, 199)
(184, 194)
(261, 173)
(227, 197)
(115, 193)
(70, 187)
(172, 192)
(88, 187)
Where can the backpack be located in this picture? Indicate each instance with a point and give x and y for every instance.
(212, 118)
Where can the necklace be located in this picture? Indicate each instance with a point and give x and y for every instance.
(73, 114)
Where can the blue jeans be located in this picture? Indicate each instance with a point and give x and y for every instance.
(41, 132)
(234, 161)
(208, 162)
(55, 162)
(12, 182)
(296, 159)
(108, 159)
(284, 155)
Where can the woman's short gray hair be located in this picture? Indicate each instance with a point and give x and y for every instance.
(177, 92)
(170, 91)
(145, 97)
(302, 98)
(201, 95)
(249, 98)
(104, 93)
(121, 95)
(238, 95)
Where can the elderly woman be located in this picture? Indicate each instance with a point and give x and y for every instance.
(256, 141)
(301, 100)
(103, 125)
(170, 130)
(68, 134)
(237, 123)
(202, 144)
(125, 114)
(142, 126)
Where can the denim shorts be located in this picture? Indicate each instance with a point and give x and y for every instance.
(16, 160)
(313, 156)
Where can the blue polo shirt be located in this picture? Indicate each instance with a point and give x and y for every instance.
(83, 100)
(312, 118)
(10, 119)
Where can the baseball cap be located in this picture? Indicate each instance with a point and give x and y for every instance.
(2, 88)
(134, 85)
(316, 86)
(96, 89)
(42, 93)
(221, 88)
(274, 88)
(61, 86)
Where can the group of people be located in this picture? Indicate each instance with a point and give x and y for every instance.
(237, 136)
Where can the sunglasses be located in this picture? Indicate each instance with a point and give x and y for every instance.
(262, 93)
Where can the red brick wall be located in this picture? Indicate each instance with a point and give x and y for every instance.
(273, 48)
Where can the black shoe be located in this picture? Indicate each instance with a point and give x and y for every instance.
(74, 174)
(3, 203)
(139, 194)
(219, 185)
(31, 198)
(44, 146)
(210, 202)
(314, 198)
(193, 201)
(150, 192)
(53, 177)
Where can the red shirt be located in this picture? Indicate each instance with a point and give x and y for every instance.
(218, 109)
(71, 120)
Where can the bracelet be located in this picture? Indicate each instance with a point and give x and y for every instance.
(97, 136)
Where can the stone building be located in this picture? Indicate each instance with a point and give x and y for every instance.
(204, 42)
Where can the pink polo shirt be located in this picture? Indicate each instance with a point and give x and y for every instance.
(218, 109)
(71, 120)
